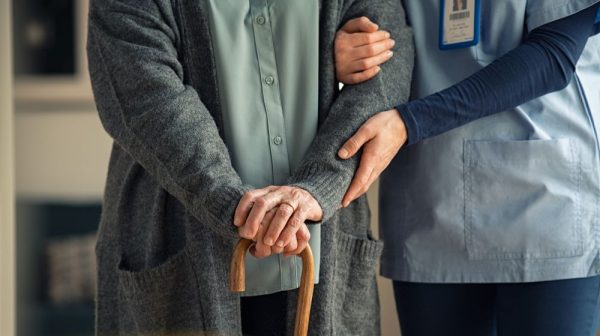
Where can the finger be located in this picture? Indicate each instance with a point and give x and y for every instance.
(280, 220)
(303, 238)
(301, 246)
(361, 24)
(374, 176)
(364, 134)
(292, 246)
(267, 221)
(373, 49)
(293, 225)
(303, 233)
(368, 63)
(277, 250)
(359, 77)
(245, 232)
(378, 164)
(259, 209)
(260, 253)
(245, 205)
(261, 250)
(366, 186)
(357, 40)
(363, 173)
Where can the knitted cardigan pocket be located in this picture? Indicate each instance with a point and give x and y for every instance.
(162, 300)
(356, 302)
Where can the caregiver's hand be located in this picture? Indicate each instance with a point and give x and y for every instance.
(380, 137)
(294, 207)
(359, 50)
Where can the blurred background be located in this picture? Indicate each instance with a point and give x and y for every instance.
(60, 156)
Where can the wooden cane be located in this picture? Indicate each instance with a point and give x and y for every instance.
(237, 282)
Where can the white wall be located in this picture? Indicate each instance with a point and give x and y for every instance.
(7, 233)
(60, 155)
(61, 149)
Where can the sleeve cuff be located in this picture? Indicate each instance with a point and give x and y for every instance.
(220, 207)
(328, 190)
(412, 128)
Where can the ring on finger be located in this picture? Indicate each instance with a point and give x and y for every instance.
(289, 204)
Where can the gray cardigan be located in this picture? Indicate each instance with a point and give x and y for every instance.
(166, 234)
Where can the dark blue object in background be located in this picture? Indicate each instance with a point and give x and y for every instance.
(39, 223)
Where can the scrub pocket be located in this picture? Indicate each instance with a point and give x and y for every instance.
(522, 199)
(160, 301)
(356, 301)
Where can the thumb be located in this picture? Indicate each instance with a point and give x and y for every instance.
(355, 143)
(360, 25)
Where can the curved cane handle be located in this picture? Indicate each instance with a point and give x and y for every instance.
(237, 282)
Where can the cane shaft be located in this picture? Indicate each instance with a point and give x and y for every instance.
(237, 282)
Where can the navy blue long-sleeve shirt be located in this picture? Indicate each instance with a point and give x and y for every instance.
(545, 62)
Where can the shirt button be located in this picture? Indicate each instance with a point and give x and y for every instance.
(261, 20)
(269, 80)
(277, 140)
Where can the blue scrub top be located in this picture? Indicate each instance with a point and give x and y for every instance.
(514, 197)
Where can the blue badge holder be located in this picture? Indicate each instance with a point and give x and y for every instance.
(467, 44)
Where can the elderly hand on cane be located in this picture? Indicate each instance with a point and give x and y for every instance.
(274, 218)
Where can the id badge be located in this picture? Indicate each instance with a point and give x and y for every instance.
(459, 23)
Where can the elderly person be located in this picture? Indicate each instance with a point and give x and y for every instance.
(212, 100)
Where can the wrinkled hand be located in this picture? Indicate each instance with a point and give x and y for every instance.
(381, 137)
(297, 244)
(280, 212)
(360, 48)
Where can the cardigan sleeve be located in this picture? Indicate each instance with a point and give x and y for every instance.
(321, 172)
(147, 109)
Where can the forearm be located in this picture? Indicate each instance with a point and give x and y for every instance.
(543, 63)
(159, 121)
(321, 172)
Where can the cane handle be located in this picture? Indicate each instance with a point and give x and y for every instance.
(237, 282)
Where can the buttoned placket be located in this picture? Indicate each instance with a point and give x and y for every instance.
(271, 95)
(263, 37)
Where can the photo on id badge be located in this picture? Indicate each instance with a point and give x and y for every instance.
(459, 23)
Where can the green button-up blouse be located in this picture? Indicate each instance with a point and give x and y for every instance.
(267, 67)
